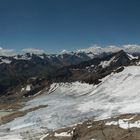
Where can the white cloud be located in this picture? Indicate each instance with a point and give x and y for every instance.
(96, 49)
(7, 52)
(33, 51)
(130, 48)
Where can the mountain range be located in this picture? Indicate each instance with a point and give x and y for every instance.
(46, 96)
(88, 65)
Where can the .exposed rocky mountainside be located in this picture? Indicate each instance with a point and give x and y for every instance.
(93, 70)
(16, 70)
(123, 127)
(41, 70)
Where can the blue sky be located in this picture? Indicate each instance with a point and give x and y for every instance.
(54, 25)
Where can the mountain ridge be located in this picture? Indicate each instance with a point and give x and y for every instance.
(40, 73)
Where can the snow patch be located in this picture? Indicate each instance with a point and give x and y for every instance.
(105, 64)
(28, 87)
(125, 124)
(44, 136)
(23, 57)
(63, 134)
(131, 57)
(6, 61)
(90, 126)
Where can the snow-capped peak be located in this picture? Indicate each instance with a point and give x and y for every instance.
(64, 51)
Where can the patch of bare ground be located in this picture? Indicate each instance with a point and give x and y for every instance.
(98, 130)
(12, 116)
(13, 106)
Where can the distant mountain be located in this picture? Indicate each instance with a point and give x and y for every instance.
(71, 57)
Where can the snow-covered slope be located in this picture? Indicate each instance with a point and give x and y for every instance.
(117, 94)
(70, 103)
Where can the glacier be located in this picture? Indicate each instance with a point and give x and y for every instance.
(72, 103)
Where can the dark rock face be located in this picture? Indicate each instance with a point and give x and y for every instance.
(121, 59)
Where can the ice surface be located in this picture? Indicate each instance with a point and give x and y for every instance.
(11, 137)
